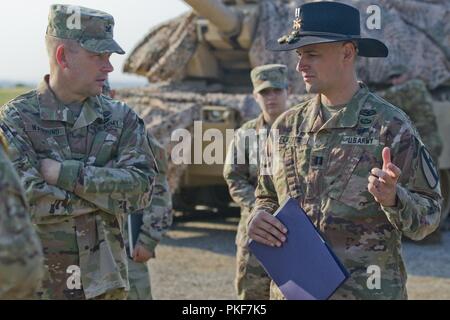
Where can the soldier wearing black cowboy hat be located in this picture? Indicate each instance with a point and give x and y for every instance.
(353, 161)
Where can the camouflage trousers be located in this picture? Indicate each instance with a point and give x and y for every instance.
(78, 294)
(342, 294)
(23, 291)
(116, 294)
(252, 281)
(139, 278)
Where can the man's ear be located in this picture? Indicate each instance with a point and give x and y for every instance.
(61, 57)
(349, 51)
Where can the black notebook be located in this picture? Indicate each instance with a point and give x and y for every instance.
(304, 267)
(134, 223)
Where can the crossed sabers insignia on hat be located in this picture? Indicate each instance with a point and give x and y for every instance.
(297, 20)
(294, 35)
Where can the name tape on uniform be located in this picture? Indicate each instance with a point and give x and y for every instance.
(368, 141)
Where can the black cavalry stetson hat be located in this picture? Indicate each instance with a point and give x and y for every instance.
(324, 22)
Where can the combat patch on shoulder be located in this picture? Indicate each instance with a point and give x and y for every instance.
(429, 169)
(360, 140)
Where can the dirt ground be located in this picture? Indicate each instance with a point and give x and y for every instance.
(196, 261)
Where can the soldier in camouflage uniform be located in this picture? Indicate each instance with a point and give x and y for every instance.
(270, 91)
(157, 220)
(355, 163)
(21, 259)
(83, 159)
(414, 98)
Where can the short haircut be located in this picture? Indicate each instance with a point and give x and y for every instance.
(51, 43)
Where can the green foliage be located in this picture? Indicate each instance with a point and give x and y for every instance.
(7, 94)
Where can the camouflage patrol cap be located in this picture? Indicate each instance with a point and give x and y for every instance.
(269, 76)
(93, 29)
(397, 70)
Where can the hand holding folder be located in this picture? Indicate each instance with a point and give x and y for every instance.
(304, 267)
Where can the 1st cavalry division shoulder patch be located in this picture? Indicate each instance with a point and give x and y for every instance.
(429, 168)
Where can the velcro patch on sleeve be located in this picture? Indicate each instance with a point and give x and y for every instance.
(429, 169)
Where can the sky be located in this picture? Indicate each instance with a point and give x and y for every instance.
(23, 24)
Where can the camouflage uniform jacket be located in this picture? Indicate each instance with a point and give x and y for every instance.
(326, 167)
(158, 216)
(243, 177)
(107, 170)
(21, 259)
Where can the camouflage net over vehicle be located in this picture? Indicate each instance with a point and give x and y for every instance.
(164, 112)
(417, 33)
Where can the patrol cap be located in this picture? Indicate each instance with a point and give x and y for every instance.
(397, 70)
(269, 76)
(92, 29)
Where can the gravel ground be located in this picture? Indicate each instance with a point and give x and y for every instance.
(428, 269)
(196, 261)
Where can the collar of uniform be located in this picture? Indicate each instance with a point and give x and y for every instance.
(91, 111)
(311, 115)
(348, 118)
(50, 108)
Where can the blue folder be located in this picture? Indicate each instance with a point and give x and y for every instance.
(304, 267)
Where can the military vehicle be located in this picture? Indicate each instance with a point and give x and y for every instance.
(198, 68)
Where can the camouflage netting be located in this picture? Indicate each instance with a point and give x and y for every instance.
(416, 32)
(416, 101)
(271, 13)
(164, 112)
(165, 51)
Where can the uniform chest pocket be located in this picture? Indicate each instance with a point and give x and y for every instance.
(347, 175)
(293, 159)
(48, 142)
(104, 145)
